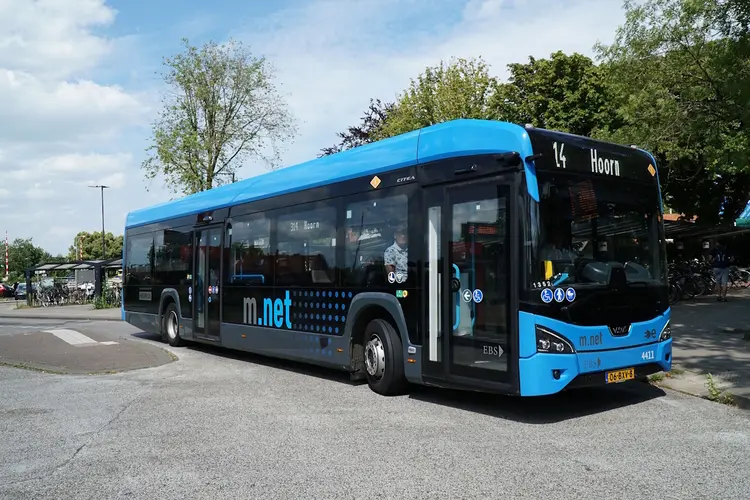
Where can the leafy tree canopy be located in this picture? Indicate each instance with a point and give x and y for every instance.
(461, 88)
(681, 69)
(221, 108)
(22, 255)
(88, 246)
(364, 133)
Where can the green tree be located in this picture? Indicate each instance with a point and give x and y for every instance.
(221, 109)
(682, 71)
(22, 255)
(89, 246)
(565, 92)
(461, 88)
(374, 118)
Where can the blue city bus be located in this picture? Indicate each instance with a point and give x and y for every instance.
(472, 254)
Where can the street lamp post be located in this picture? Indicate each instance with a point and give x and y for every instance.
(104, 246)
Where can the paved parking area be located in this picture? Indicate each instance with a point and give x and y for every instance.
(76, 346)
(221, 425)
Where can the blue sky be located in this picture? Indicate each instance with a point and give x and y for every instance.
(78, 90)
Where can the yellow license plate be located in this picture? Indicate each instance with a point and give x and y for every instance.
(616, 376)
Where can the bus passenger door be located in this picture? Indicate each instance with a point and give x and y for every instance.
(206, 282)
(468, 281)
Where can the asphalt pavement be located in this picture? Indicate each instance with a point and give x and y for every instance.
(218, 424)
(74, 345)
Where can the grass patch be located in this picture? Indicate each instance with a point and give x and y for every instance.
(104, 302)
(717, 395)
(657, 377)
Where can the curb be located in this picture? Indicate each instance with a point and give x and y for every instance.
(742, 402)
(56, 318)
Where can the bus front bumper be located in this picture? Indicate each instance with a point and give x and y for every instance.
(543, 374)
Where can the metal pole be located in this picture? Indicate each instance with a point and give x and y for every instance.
(104, 246)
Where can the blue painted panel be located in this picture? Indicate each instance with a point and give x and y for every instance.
(535, 369)
(474, 137)
(585, 338)
(454, 138)
(535, 373)
(468, 137)
(382, 156)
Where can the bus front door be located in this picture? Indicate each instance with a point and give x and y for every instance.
(468, 281)
(206, 283)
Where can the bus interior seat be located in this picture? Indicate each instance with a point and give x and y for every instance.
(319, 270)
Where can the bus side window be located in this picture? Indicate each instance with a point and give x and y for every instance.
(306, 247)
(372, 229)
(250, 258)
(138, 266)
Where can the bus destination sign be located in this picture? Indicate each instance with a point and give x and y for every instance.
(571, 153)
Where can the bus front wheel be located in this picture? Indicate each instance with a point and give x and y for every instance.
(384, 360)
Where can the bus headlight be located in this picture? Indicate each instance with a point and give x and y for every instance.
(548, 341)
(666, 332)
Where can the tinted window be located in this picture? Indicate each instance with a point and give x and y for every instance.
(591, 225)
(306, 247)
(172, 253)
(139, 259)
(376, 240)
(250, 258)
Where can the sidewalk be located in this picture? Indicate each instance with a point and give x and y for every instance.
(76, 312)
(712, 337)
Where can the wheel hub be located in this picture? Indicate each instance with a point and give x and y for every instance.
(172, 325)
(375, 357)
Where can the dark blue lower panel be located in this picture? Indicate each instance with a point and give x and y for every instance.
(147, 322)
(287, 344)
(324, 350)
(588, 368)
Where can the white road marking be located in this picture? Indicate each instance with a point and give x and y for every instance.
(109, 342)
(73, 337)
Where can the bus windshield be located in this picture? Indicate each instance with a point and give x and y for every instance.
(593, 231)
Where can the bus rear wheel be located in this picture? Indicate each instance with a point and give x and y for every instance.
(170, 328)
(384, 360)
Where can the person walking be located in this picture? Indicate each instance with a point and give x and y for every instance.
(720, 260)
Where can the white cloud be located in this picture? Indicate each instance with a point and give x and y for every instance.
(115, 180)
(39, 192)
(60, 128)
(332, 56)
(52, 37)
(30, 107)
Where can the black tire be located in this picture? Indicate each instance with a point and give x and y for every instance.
(384, 360)
(170, 326)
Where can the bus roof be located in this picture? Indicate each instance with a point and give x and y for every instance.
(448, 139)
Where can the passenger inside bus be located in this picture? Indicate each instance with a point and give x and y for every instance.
(396, 256)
